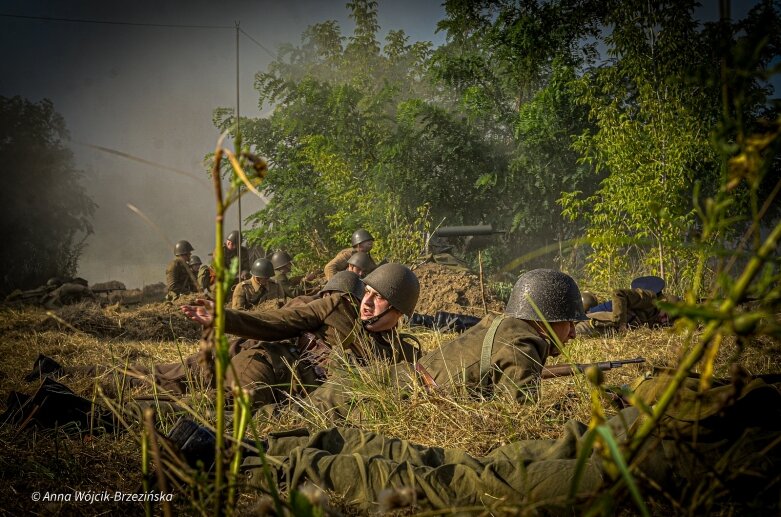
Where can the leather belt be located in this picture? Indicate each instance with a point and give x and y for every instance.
(428, 381)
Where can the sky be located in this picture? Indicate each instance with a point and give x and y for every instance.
(150, 92)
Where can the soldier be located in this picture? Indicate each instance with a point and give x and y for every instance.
(258, 288)
(361, 264)
(204, 274)
(501, 353)
(724, 438)
(589, 301)
(179, 278)
(361, 240)
(73, 291)
(294, 287)
(632, 307)
(231, 249)
(331, 325)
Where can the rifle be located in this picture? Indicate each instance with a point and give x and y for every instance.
(563, 370)
(444, 321)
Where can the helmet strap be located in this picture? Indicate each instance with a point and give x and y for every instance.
(375, 319)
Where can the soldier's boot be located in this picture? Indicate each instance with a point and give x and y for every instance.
(42, 367)
(196, 443)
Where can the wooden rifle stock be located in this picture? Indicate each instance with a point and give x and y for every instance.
(563, 370)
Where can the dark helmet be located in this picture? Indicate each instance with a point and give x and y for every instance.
(589, 300)
(555, 294)
(262, 268)
(234, 236)
(397, 284)
(183, 248)
(346, 282)
(363, 261)
(195, 260)
(281, 259)
(360, 235)
(649, 283)
(55, 281)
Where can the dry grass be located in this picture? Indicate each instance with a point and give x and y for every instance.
(52, 461)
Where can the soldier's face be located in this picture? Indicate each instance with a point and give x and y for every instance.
(355, 269)
(230, 245)
(564, 330)
(373, 304)
(365, 246)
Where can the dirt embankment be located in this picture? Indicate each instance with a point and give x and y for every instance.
(450, 290)
(150, 322)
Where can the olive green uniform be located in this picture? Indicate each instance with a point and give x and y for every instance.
(179, 279)
(631, 307)
(229, 255)
(250, 293)
(204, 279)
(67, 294)
(338, 263)
(513, 367)
(717, 438)
(318, 332)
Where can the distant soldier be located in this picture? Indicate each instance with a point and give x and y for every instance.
(501, 353)
(361, 240)
(361, 264)
(259, 288)
(589, 301)
(203, 273)
(632, 307)
(74, 291)
(296, 286)
(230, 250)
(179, 278)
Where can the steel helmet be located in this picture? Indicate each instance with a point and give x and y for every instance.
(281, 259)
(555, 294)
(346, 282)
(360, 235)
(649, 283)
(262, 268)
(363, 261)
(195, 260)
(183, 248)
(589, 300)
(397, 284)
(234, 236)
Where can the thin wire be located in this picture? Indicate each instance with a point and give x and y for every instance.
(256, 42)
(107, 22)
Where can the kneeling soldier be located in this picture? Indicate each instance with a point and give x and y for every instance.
(257, 289)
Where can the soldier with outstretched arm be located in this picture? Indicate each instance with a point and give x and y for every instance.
(333, 324)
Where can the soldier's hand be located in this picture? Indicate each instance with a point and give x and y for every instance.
(202, 312)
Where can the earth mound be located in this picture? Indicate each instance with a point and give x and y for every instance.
(151, 322)
(450, 290)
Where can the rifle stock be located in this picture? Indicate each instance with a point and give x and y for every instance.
(563, 370)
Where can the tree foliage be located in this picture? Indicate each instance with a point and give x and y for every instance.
(555, 120)
(46, 212)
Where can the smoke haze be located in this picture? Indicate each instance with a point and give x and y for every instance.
(150, 92)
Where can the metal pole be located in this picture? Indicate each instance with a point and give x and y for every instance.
(237, 139)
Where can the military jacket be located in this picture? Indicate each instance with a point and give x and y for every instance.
(332, 318)
(248, 294)
(228, 257)
(517, 356)
(634, 306)
(204, 279)
(179, 278)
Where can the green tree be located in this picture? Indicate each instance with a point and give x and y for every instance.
(656, 105)
(46, 212)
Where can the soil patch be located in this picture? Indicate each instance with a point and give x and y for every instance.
(447, 289)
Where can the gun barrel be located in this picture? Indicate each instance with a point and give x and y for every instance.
(464, 231)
